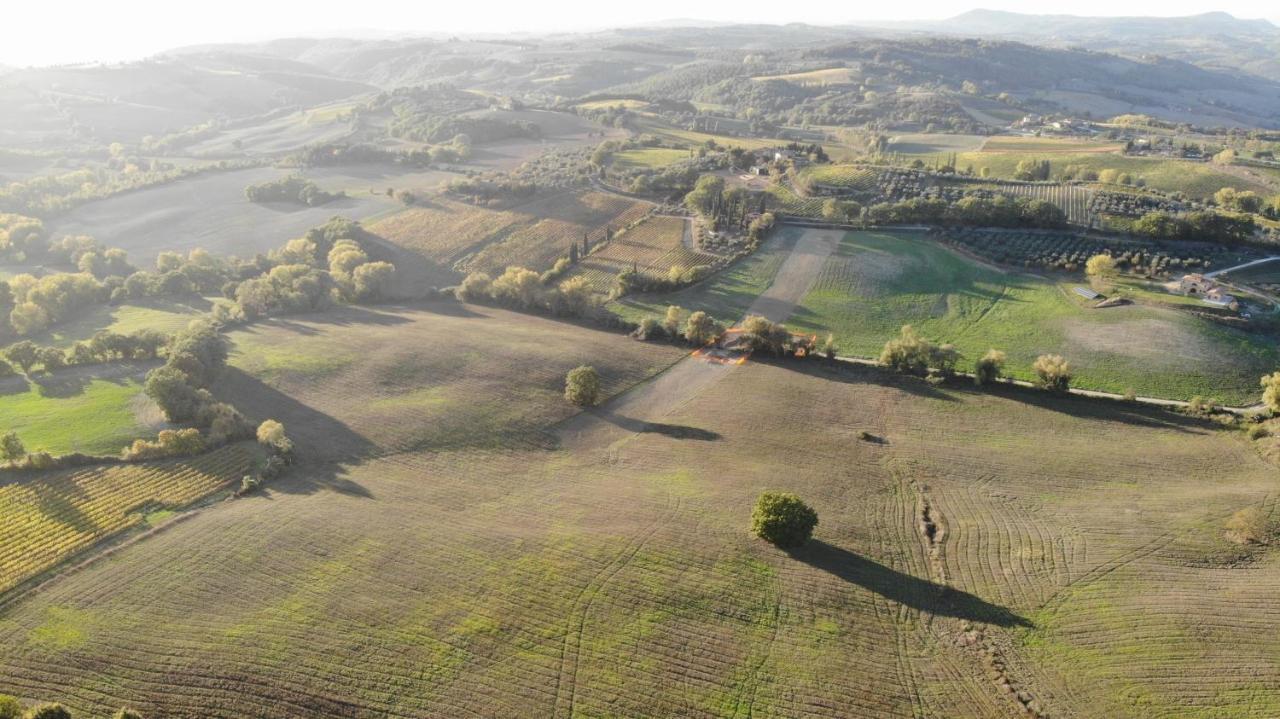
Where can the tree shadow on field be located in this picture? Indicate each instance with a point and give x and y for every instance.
(848, 373)
(321, 441)
(348, 316)
(1097, 408)
(674, 431)
(905, 589)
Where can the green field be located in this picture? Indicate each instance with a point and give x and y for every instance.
(160, 314)
(648, 157)
(74, 411)
(1196, 179)
(877, 281)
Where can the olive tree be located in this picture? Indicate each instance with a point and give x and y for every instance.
(582, 386)
(783, 519)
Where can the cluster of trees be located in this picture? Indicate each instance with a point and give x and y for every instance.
(290, 189)
(34, 304)
(48, 195)
(1032, 171)
(720, 207)
(196, 357)
(479, 129)
(104, 346)
(490, 190)
(329, 264)
(911, 353)
(697, 328)
(760, 334)
(998, 211)
(1204, 226)
(270, 435)
(168, 443)
(522, 288)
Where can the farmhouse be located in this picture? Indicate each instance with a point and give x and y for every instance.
(1197, 285)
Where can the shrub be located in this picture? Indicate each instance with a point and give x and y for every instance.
(169, 443)
(648, 329)
(671, 323)
(701, 329)
(476, 286)
(760, 333)
(47, 711)
(1258, 431)
(1053, 372)
(908, 353)
(582, 386)
(1271, 391)
(783, 519)
(829, 348)
(126, 713)
(989, 367)
(11, 448)
(10, 707)
(1249, 526)
(271, 434)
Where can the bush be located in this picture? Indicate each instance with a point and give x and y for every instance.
(11, 448)
(701, 329)
(47, 711)
(649, 329)
(671, 323)
(908, 353)
(989, 367)
(1250, 526)
(271, 435)
(582, 386)
(1053, 372)
(169, 443)
(10, 707)
(126, 713)
(783, 519)
(477, 286)
(1271, 391)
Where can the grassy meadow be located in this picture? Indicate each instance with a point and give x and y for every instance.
(93, 409)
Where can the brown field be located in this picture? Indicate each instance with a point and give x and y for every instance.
(458, 542)
(652, 247)
(534, 234)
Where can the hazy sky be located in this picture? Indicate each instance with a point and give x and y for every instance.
(40, 32)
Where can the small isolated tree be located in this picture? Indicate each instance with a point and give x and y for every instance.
(47, 711)
(783, 519)
(989, 367)
(1101, 270)
(582, 386)
(702, 329)
(1053, 372)
(11, 448)
(271, 435)
(1271, 391)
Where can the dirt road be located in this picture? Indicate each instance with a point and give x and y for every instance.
(643, 408)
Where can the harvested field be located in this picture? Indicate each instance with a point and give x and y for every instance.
(1048, 145)
(408, 591)
(209, 211)
(534, 234)
(653, 247)
(439, 376)
(50, 516)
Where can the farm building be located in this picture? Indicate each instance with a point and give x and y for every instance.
(1197, 285)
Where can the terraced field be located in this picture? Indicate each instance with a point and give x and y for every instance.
(878, 281)
(535, 234)
(652, 247)
(51, 516)
(406, 591)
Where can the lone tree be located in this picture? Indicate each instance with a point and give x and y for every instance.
(989, 367)
(582, 386)
(271, 435)
(1271, 391)
(783, 519)
(1101, 270)
(1053, 372)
